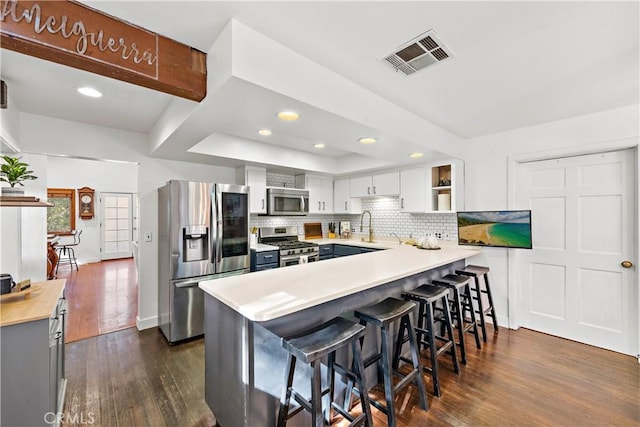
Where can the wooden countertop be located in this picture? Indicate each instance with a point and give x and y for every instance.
(269, 294)
(38, 306)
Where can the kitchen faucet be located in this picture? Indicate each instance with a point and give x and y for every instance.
(397, 237)
(370, 229)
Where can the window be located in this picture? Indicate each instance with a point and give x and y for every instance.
(61, 217)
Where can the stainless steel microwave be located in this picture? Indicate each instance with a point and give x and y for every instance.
(287, 201)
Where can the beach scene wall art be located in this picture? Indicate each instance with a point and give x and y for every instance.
(505, 229)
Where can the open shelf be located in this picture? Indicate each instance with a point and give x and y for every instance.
(23, 201)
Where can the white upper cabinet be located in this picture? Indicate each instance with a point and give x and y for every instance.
(414, 189)
(433, 188)
(360, 186)
(320, 192)
(384, 184)
(256, 179)
(342, 200)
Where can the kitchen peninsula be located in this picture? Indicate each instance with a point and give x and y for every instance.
(246, 316)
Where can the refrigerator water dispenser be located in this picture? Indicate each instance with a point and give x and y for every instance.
(195, 243)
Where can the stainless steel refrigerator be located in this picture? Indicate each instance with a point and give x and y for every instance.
(203, 234)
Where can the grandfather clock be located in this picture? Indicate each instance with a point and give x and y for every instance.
(87, 202)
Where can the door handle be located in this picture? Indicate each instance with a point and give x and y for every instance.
(262, 204)
(374, 189)
(323, 208)
(626, 264)
(345, 205)
(368, 190)
(402, 203)
(319, 208)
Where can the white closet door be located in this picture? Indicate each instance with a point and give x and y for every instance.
(117, 229)
(574, 284)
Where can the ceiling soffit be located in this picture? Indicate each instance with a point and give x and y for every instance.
(334, 108)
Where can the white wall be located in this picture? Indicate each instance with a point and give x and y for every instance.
(48, 135)
(23, 242)
(102, 176)
(486, 171)
(10, 126)
(23, 230)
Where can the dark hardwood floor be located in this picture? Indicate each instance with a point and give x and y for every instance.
(102, 297)
(519, 378)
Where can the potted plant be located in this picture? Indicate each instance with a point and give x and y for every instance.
(13, 172)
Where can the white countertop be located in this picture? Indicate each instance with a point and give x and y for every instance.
(261, 247)
(382, 244)
(270, 294)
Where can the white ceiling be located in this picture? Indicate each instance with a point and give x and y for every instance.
(517, 64)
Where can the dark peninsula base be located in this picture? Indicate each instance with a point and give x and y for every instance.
(245, 361)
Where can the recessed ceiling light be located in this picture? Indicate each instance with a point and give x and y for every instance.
(367, 140)
(288, 116)
(90, 92)
(416, 155)
(318, 145)
(264, 132)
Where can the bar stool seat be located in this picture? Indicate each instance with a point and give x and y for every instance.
(461, 304)
(382, 315)
(310, 348)
(427, 296)
(477, 271)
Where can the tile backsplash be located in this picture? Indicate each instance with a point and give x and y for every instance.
(281, 180)
(386, 218)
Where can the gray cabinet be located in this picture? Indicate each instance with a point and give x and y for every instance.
(346, 250)
(326, 251)
(264, 260)
(33, 370)
(336, 250)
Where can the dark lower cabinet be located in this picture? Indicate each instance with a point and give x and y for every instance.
(265, 260)
(326, 251)
(346, 250)
(365, 250)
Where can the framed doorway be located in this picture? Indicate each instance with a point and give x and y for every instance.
(116, 228)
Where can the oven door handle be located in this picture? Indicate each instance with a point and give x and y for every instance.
(302, 204)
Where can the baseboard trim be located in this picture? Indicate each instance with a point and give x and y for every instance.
(148, 323)
(503, 321)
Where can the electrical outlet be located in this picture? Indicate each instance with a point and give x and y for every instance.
(438, 235)
(148, 236)
(446, 236)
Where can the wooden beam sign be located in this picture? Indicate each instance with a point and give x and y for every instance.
(73, 34)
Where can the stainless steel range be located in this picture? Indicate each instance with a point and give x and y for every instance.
(292, 250)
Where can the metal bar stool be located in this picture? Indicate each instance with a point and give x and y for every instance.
(461, 304)
(382, 315)
(66, 253)
(310, 348)
(427, 296)
(476, 271)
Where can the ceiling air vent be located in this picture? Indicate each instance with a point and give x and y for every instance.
(419, 53)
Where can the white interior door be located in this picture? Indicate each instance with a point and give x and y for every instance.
(573, 283)
(117, 229)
